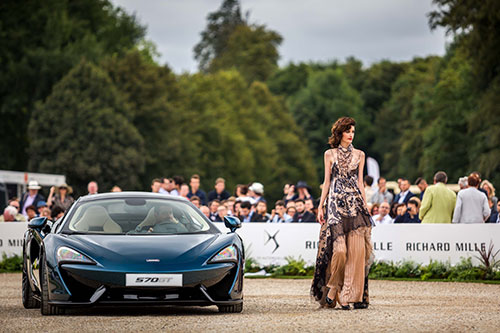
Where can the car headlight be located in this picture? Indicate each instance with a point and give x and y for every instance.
(229, 253)
(66, 254)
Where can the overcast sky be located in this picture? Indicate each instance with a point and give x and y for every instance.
(317, 30)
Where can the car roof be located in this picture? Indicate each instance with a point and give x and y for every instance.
(137, 194)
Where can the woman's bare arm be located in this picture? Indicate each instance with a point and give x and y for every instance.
(360, 175)
(328, 159)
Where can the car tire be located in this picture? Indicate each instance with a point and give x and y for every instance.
(236, 308)
(46, 308)
(29, 302)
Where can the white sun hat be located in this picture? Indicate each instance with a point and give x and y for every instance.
(33, 185)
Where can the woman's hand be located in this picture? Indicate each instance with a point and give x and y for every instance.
(321, 215)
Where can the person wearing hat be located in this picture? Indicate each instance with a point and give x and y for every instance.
(303, 190)
(40, 206)
(62, 197)
(32, 197)
(255, 191)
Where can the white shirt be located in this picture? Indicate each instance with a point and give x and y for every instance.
(173, 192)
(27, 203)
(402, 196)
(385, 220)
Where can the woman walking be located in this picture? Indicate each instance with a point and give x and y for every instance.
(344, 243)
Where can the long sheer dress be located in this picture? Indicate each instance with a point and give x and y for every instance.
(345, 247)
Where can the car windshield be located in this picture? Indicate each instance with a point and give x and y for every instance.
(136, 216)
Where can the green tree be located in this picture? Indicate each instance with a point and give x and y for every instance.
(40, 41)
(84, 130)
(221, 25)
(230, 41)
(244, 134)
(294, 157)
(252, 50)
(157, 103)
(289, 80)
(476, 25)
(396, 117)
(354, 72)
(376, 87)
(451, 105)
(327, 97)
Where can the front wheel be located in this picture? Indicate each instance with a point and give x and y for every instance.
(29, 302)
(46, 308)
(236, 308)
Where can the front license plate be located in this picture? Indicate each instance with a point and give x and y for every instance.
(154, 280)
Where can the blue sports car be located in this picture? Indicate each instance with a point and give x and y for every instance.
(132, 248)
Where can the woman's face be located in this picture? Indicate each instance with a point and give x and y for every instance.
(286, 188)
(487, 189)
(348, 135)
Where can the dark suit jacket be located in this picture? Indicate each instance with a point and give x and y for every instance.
(406, 218)
(304, 217)
(493, 218)
(212, 195)
(406, 199)
(200, 194)
(38, 198)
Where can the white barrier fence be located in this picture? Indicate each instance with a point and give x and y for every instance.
(270, 243)
(11, 237)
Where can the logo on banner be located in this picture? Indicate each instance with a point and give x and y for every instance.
(273, 238)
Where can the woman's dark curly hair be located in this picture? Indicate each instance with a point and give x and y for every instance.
(340, 126)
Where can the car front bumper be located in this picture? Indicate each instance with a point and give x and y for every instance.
(86, 285)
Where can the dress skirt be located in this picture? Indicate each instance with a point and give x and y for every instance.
(343, 260)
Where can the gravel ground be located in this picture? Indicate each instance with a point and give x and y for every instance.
(281, 305)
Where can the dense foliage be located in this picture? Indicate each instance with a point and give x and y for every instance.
(40, 42)
(11, 263)
(84, 130)
(83, 96)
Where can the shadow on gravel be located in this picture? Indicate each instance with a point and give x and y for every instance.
(117, 311)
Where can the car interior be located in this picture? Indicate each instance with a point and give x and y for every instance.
(135, 216)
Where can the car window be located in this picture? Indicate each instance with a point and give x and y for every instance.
(136, 216)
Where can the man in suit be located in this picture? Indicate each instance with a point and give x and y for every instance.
(495, 216)
(439, 201)
(405, 195)
(472, 206)
(32, 197)
(302, 214)
(219, 192)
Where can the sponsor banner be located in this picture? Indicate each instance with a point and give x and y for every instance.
(270, 243)
(11, 237)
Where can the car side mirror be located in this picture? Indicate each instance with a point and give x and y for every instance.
(232, 222)
(37, 223)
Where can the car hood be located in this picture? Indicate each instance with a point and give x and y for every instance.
(118, 252)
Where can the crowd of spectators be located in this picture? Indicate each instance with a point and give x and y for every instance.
(475, 202)
(247, 202)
